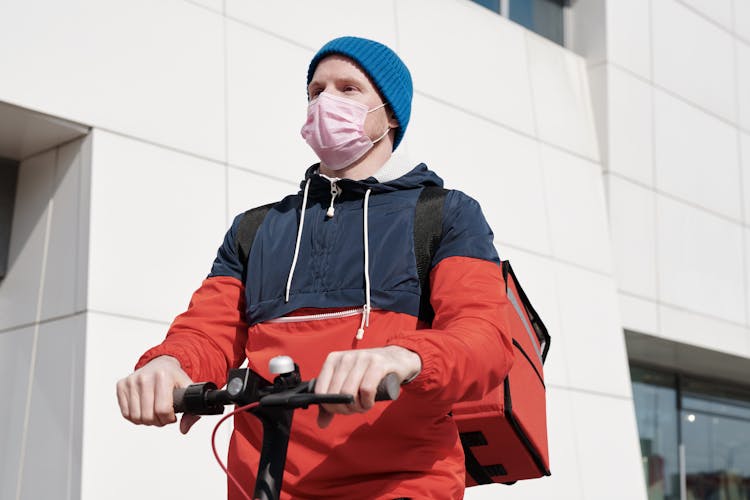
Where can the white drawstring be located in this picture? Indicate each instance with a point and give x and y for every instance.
(296, 245)
(335, 191)
(366, 308)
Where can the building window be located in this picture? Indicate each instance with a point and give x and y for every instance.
(694, 434)
(655, 398)
(493, 5)
(544, 17)
(716, 436)
(8, 177)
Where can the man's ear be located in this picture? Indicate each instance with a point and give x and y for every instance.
(392, 121)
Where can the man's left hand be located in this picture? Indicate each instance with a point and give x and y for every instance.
(358, 372)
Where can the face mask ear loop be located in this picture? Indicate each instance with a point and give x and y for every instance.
(376, 108)
(386, 130)
(384, 134)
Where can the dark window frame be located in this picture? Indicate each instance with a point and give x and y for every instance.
(510, 10)
(8, 184)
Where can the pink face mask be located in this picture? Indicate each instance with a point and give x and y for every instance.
(335, 129)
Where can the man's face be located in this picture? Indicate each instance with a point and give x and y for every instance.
(340, 76)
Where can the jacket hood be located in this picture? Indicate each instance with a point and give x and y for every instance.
(419, 176)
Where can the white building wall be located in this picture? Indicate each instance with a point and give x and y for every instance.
(196, 109)
(42, 316)
(671, 96)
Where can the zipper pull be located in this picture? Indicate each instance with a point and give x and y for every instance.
(335, 191)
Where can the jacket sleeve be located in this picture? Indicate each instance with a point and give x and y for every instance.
(468, 350)
(210, 337)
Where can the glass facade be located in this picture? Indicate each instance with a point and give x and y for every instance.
(655, 397)
(493, 5)
(544, 17)
(695, 437)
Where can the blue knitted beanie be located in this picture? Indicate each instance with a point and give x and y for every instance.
(386, 70)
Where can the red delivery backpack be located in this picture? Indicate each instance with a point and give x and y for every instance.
(504, 435)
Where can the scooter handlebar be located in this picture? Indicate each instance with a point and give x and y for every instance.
(205, 399)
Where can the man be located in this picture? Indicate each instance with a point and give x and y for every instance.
(332, 282)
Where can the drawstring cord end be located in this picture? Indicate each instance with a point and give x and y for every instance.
(365, 322)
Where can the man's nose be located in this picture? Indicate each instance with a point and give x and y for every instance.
(332, 89)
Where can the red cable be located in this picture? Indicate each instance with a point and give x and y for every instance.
(216, 454)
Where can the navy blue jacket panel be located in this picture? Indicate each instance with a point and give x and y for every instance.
(329, 272)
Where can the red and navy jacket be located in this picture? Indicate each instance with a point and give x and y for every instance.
(341, 274)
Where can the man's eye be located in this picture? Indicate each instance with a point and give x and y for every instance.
(350, 88)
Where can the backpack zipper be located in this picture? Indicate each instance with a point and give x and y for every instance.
(317, 317)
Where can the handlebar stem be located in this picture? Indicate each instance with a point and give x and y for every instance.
(277, 402)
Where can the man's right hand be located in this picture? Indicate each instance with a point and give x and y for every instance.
(145, 396)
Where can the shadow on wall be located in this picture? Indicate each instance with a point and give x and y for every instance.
(8, 181)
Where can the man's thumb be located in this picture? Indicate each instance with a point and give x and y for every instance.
(187, 421)
(324, 417)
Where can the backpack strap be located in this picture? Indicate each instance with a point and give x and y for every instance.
(428, 231)
(246, 231)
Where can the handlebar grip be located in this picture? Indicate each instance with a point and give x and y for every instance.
(388, 388)
(178, 399)
(198, 399)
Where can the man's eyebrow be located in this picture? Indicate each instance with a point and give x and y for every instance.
(339, 80)
(316, 86)
(350, 79)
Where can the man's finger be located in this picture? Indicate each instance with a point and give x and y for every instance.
(146, 389)
(122, 399)
(352, 383)
(324, 417)
(323, 380)
(163, 409)
(341, 371)
(134, 403)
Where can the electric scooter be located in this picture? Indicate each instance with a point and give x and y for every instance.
(273, 403)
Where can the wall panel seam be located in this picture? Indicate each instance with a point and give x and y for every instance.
(509, 127)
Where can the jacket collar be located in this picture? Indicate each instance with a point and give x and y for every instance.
(418, 176)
